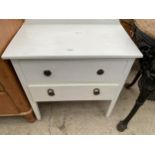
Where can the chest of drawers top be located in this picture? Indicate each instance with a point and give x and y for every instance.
(48, 39)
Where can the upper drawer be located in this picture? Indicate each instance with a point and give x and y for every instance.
(68, 71)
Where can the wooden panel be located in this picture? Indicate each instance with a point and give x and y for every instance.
(128, 25)
(13, 100)
(12, 86)
(147, 26)
(8, 29)
(1, 87)
(6, 105)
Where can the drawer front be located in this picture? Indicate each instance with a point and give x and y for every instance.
(73, 71)
(63, 92)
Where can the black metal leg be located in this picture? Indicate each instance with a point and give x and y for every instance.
(128, 85)
(122, 125)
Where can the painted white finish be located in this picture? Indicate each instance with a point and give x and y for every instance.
(70, 92)
(73, 50)
(73, 71)
(123, 79)
(24, 84)
(71, 39)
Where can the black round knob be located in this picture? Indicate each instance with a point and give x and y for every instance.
(96, 91)
(47, 73)
(50, 92)
(100, 72)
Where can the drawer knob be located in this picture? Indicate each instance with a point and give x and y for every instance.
(50, 92)
(96, 91)
(100, 72)
(47, 73)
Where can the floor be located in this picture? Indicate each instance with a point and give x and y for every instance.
(68, 118)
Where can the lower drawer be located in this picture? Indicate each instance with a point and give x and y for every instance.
(63, 92)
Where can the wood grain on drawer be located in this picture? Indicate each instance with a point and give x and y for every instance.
(62, 92)
(73, 71)
(6, 104)
(1, 87)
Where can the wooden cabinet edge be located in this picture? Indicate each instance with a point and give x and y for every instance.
(12, 86)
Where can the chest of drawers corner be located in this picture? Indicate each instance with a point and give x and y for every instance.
(67, 60)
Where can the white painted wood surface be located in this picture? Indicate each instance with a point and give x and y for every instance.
(73, 71)
(70, 92)
(73, 50)
(123, 79)
(71, 39)
(24, 85)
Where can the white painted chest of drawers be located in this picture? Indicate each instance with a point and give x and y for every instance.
(63, 60)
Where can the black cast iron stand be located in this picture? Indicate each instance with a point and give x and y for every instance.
(146, 74)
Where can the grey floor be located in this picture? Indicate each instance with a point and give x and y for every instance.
(85, 118)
